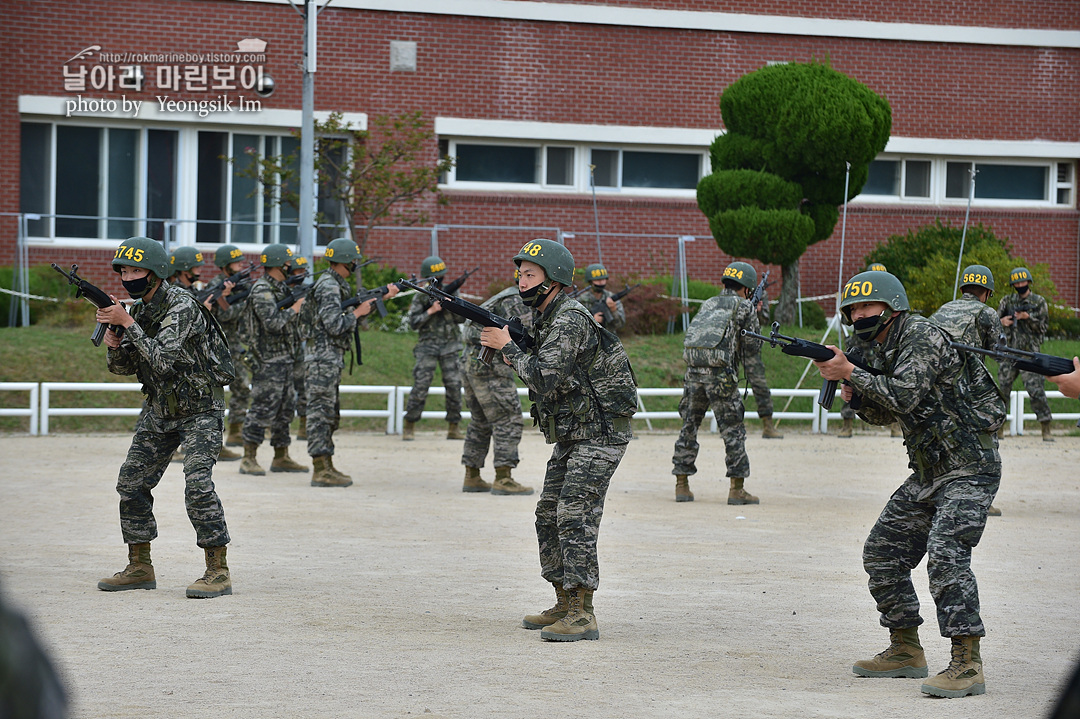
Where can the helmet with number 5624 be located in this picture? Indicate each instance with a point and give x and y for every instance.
(741, 272)
(873, 286)
(145, 253)
(556, 260)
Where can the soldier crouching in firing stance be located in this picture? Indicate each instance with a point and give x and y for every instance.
(940, 510)
(585, 415)
(180, 355)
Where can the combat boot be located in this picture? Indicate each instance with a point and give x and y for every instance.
(215, 582)
(138, 574)
(335, 471)
(301, 434)
(768, 429)
(408, 431)
(845, 429)
(452, 431)
(1001, 432)
(963, 676)
(227, 455)
(895, 431)
(325, 475)
(903, 658)
(282, 462)
(506, 485)
(235, 438)
(993, 511)
(473, 482)
(578, 623)
(549, 616)
(738, 495)
(682, 489)
(249, 465)
(1046, 432)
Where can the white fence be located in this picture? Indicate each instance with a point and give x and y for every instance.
(396, 401)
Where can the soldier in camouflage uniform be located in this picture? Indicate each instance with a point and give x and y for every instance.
(491, 395)
(300, 267)
(969, 321)
(585, 412)
(597, 277)
(712, 348)
(439, 345)
(230, 259)
(272, 337)
(940, 511)
(1025, 318)
(172, 344)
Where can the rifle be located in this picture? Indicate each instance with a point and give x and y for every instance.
(456, 284)
(759, 292)
(476, 313)
(1022, 307)
(362, 296)
(601, 304)
(818, 353)
(1037, 362)
(290, 299)
(95, 296)
(240, 284)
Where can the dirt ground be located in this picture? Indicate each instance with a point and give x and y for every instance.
(401, 596)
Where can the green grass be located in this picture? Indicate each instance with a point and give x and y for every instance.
(56, 354)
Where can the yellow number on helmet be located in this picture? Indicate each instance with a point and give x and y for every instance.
(235, 253)
(172, 259)
(262, 259)
(329, 251)
(138, 255)
(198, 257)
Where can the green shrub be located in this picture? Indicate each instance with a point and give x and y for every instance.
(813, 315)
(47, 282)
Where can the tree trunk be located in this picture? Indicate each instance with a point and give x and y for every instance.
(787, 311)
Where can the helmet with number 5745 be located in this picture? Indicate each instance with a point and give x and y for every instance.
(873, 286)
(556, 260)
(145, 253)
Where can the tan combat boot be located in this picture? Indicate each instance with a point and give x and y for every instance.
(963, 676)
(301, 434)
(579, 623)
(227, 455)
(1001, 432)
(138, 574)
(903, 658)
(452, 431)
(993, 511)
(549, 616)
(249, 465)
(325, 476)
(282, 462)
(845, 429)
(505, 485)
(408, 431)
(235, 438)
(1046, 437)
(335, 471)
(473, 482)
(738, 495)
(895, 431)
(216, 581)
(768, 429)
(682, 489)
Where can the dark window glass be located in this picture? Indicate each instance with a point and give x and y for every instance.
(660, 169)
(496, 163)
(245, 202)
(210, 197)
(605, 168)
(78, 177)
(289, 216)
(123, 187)
(560, 166)
(1011, 182)
(331, 226)
(160, 181)
(917, 178)
(35, 174)
(884, 178)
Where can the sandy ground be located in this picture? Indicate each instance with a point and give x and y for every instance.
(401, 596)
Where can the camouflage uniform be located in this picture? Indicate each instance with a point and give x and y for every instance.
(712, 353)
(330, 335)
(229, 319)
(1025, 335)
(439, 345)
(491, 393)
(618, 317)
(272, 344)
(941, 508)
(168, 350)
(588, 445)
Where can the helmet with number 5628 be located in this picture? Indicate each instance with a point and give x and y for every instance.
(145, 253)
(979, 276)
(556, 260)
(873, 286)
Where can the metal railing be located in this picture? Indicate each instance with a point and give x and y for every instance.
(31, 411)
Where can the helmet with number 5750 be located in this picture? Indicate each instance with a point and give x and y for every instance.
(873, 286)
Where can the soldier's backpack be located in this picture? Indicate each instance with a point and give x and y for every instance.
(985, 404)
(711, 339)
(610, 376)
(217, 355)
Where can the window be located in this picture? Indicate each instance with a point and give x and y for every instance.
(917, 178)
(497, 163)
(998, 181)
(884, 178)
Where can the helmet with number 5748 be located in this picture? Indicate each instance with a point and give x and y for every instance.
(556, 260)
(873, 286)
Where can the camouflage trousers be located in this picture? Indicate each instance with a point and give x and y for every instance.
(155, 440)
(755, 375)
(496, 418)
(299, 374)
(424, 372)
(239, 388)
(715, 388)
(1033, 383)
(324, 405)
(945, 528)
(273, 402)
(570, 508)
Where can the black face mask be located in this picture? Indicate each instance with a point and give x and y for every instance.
(351, 267)
(598, 289)
(137, 288)
(535, 296)
(1022, 290)
(867, 328)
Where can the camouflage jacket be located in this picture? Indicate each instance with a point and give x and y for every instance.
(229, 319)
(331, 330)
(555, 371)
(714, 338)
(168, 350)
(1025, 334)
(506, 304)
(922, 388)
(592, 300)
(272, 333)
(440, 333)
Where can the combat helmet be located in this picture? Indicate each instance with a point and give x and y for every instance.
(227, 254)
(556, 260)
(142, 252)
(185, 259)
(979, 276)
(595, 271)
(876, 267)
(432, 267)
(275, 256)
(742, 273)
(1020, 274)
(342, 250)
(873, 286)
